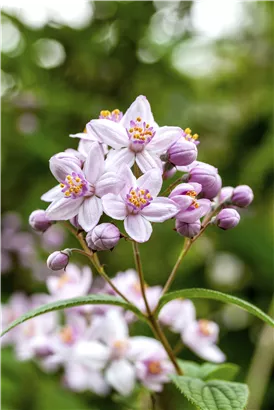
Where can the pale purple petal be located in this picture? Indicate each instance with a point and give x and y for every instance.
(130, 181)
(64, 208)
(183, 201)
(114, 206)
(92, 353)
(163, 139)
(191, 215)
(138, 228)
(109, 183)
(53, 194)
(151, 180)
(114, 327)
(109, 132)
(84, 136)
(147, 160)
(60, 168)
(94, 164)
(181, 189)
(97, 383)
(121, 376)
(119, 157)
(139, 108)
(160, 209)
(90, 212)
(211, 353)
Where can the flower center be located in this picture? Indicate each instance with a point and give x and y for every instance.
(154, 367)
(75, 186)
(66, 335)
(193, 195)
(63, 280)
(116, 115)
(188, 135)
(206, 327)
(140, 132)
(138, 198)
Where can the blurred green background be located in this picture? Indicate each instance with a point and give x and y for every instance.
(204, 65)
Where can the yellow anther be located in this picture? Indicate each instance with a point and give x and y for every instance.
(67, 193)
(195, 136)
(154, 367)
(147, 126)
(131, 130)
(69, 177)
(138, 119)
(205, 327)
(142, 191)
(116, 111)
(62, 185)
(148, 196)
(77, 179)
(188, 131)
(66, 334)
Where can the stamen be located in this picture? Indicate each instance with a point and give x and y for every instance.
(115, 115)
(189, 136)
(138, 198)
(205, 327)
(66, 334)
(75, 186)
(154, 367)
(140, 132)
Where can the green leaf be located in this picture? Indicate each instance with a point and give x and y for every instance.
(214, 394)
(213, 294)
(209, 371)
(225, 371)
(81, 300)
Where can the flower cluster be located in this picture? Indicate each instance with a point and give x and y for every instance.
(97, 178)
(93, 344)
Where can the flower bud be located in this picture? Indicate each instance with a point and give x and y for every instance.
(208, 177)
(103, 237)
(242, 196)
(228, 218)
(188, 230)
(182, 153)
(58, 260)
(226, 193)
(168, 173)
(39, 221)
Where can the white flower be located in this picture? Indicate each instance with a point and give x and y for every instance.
(135, 137)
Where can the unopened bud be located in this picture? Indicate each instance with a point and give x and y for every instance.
(182, 153)
(188, 230)
(103, 237)
(39, 220)
(228, 218)
(226, 193)
(242, 196)
(208, 177)
(58, 260)
(75, 223)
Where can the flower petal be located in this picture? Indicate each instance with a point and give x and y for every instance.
(90, 212)
(53, 194)
(151, 180)
(130, 181)
(84, 136)
(163, 139)
(109, 132)
(118, 157)
(211, 353)
(191, 215)
(114, 327)
(109, 183)
(139, 108)
(114, 206)
(121, 376)
(92, 354)
(148, 160)
(182, 189)
(60, 168)
(183, 201)
(160, 209)
(138, 228)
(94, 164)
(64, 208)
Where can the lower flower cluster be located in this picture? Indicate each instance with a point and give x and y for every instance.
(92, 343)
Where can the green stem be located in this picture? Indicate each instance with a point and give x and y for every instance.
(261, 365)
(153, 322)
(171, 186)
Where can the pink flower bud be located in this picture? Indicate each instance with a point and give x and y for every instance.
(75, 223)
(242, 196)
(103, 237)
(208, 177)
(188, 230)
(58, 260)
(226, 193)
(228, 218)
(39, 221)
(182, 153)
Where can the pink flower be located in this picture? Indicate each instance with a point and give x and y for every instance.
(191, 208)
(73, 282)
(201, 337)
(151, 362)
(80, 190)
(178, 314)
(17, 305)
(135, 137)
(137, 204)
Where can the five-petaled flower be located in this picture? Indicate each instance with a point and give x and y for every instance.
(137, 204)
(80, 190)
(135, 137)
